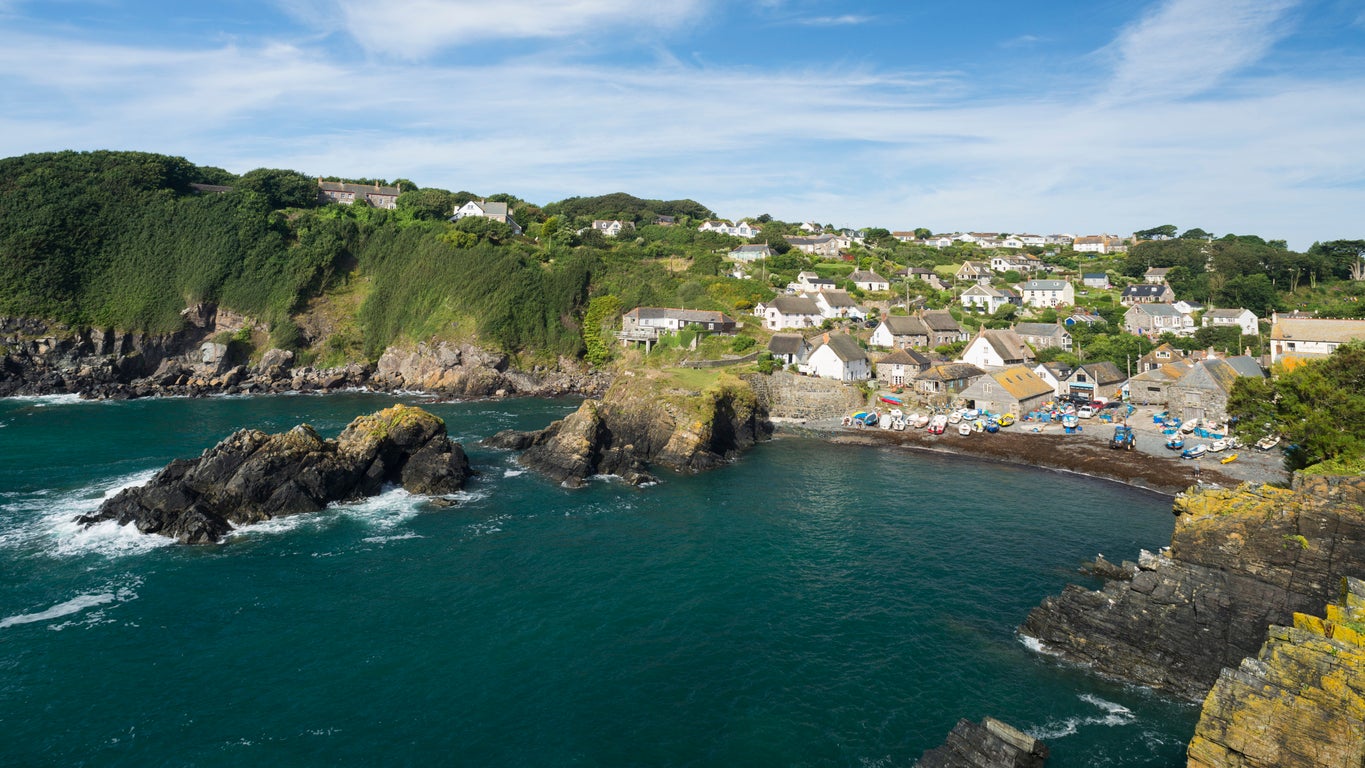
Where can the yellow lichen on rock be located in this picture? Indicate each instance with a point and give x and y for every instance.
(1300, 702)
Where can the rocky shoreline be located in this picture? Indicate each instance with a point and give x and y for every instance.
(39, 359)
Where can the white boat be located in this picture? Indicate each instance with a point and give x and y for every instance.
(978, 426)
(1218, 445)
(938, 424)
(1267, 442)
(1195, 452)
(920, 421)
(964, 429)
(955, 416)
(1190, 426)
(886, 422)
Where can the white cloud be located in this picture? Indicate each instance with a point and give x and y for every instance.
(413, 29)
(845, 20)
(1277, 157)
(1185, 47)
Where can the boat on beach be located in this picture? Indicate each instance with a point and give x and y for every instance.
(938, 425)
(1175, 443)
(1267, 442)
(1194, 452)
(1228, 459)
(964, 428)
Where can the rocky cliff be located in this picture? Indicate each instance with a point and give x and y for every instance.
(988, 744)
(1239, 561)
(38, 358)
(1299, 702)
(645, 419)
(252, 476)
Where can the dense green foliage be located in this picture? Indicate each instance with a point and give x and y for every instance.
(1318, 407)
(622, 206)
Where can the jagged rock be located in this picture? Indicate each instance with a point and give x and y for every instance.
(637, 424)
(988, 744)
(1101, 568)
(278, 359)
(1240, 560)
(252, 476)
(1299, 702)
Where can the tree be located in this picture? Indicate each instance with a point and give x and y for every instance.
(923, 233)
(1318, 407)
(1196, 234)
(427, 204)
(1164, 231)
(1254, 292)
(1342, 257)
(598, 322)
(778, 244)
(281, 188)
(877, 235)
(485, 228)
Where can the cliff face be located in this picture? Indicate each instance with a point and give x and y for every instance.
(252, 476)
(1239, 561)
(37, 358)
(1299, 702)
(640, 422)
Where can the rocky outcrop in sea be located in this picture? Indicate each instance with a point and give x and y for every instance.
(642, 422)
(252, 476)
(1300, 702)
(38, 358)
(1240, 561)
(988, 744)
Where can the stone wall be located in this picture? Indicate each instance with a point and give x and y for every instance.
(792, 396)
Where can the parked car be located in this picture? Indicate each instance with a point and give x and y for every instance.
(1085, 412)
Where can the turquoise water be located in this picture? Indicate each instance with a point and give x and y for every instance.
(810, 605)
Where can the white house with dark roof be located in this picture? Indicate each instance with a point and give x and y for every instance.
(1156, 275)
(816, 245)
(1055, 374)
(984, 297)
(791, 312)
(839, 357)
(742, 229)
(1095, 280)
(995, 348)
(1244, 319)
(1047, 293)
(869, 281)
(612, 227)
(486, 210)
(839, 304)
(1102, 379)
(978, 271)
(790, 348)
(646, 324)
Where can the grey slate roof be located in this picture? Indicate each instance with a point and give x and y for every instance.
(1144, 291)
(795, 305)
(1039, 329)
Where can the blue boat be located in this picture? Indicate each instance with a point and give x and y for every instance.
(1176, 443)
(992, 425)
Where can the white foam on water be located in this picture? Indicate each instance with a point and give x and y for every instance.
(105, 595)
(74, 605)
(1114, 715)
(46, 522)
(387, 539)
(386, 511)
(42, 401)
(513, 472)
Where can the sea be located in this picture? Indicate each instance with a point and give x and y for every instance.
(810, 604)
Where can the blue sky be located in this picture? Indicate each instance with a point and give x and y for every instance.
(1240, 116)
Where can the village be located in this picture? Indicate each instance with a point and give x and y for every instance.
(1171, 400)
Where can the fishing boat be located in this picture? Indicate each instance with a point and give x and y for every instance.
(1267, 442)
(1176, 443)
(978, 425)
(1218, 446)
(955, 416)
(992, 426)
(1195, 452)
(938, 424)
(1228, 459)
(1070, 422)
(919, 421)
(1007, 420)
(891, 400)
(964, 428)
(865, 419)
(1189, 426)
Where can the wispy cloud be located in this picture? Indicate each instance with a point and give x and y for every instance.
(846, 20)
(1185, 47)
(414, 29)
(860, 146)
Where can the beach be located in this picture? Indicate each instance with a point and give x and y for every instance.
(1150, 465)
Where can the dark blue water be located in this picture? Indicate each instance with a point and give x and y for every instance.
(810, 605)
